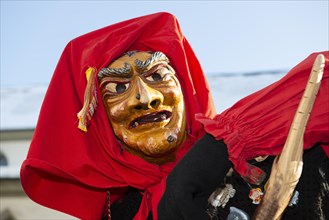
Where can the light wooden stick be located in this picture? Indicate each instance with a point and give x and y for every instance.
(287, 166)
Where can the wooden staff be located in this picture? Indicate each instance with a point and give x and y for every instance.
(287, 166)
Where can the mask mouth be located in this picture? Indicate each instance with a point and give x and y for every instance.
(150, 118)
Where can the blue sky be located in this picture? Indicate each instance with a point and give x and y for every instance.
(227, 36)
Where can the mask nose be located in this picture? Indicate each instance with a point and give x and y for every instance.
(146, 97)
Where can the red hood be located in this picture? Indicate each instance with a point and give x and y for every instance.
(69, 170)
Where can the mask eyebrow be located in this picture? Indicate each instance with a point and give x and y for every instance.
(123, 71)
(157, 56)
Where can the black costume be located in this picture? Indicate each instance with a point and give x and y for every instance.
(313, 187)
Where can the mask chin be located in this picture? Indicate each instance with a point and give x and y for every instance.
(154, 149)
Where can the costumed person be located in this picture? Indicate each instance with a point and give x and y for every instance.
(247, 137)
(117, 117)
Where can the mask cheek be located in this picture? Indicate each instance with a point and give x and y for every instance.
(172, 97)
(118, 131)
(117, 112)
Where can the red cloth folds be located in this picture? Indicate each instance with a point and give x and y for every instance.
(71, 171)
(258, 125)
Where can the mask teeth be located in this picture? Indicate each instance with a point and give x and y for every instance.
(90, 101)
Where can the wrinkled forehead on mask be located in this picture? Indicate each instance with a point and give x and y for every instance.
(141, 60)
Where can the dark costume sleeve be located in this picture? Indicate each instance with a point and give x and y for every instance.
(192, 181)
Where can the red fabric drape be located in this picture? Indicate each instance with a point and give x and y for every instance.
(69, 170)
(259, 124)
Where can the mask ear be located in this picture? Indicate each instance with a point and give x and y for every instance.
(90, 100)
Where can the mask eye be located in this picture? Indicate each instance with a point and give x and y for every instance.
(117, 88)
(157, 75)
(154, 77)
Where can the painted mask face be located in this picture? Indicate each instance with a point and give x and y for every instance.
(145, 105)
